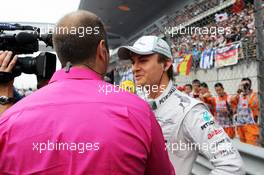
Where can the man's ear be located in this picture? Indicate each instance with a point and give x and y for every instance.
(102, 51)
(167, 65)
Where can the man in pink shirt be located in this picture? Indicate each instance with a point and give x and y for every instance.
(79, 124)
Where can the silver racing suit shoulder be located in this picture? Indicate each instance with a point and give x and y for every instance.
(211, 141)
(187, 120)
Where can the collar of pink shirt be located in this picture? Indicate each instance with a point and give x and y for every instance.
(75, 73)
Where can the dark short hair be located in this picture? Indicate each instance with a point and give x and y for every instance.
(188, 85)
(72, 47)
(247, 79)
(218, 85)
(203, 84)
(162, 59)
(196, 81)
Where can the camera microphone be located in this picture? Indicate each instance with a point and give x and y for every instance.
(10, 27)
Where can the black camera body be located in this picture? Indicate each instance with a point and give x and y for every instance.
(26, 41)
(43, 65)
(19, 43)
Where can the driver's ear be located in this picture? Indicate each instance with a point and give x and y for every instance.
(167, 65)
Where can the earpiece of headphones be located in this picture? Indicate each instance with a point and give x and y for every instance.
(164, 67)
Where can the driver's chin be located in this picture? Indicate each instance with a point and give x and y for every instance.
(140, 82)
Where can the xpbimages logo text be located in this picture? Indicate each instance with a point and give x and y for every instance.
(79, 147)
(80, 31)
(146, 89)
(182, 30)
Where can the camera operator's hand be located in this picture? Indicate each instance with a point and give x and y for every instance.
(6, 61)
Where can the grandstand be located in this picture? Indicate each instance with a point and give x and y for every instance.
(202, 14)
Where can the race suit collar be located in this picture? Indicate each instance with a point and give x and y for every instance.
(155, 103)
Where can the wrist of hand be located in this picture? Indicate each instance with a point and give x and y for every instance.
(7, 89)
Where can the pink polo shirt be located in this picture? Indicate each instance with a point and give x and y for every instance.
(79, 124)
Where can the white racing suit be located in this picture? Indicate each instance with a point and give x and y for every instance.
(188, 129)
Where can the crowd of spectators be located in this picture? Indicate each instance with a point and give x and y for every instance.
(238, 112)
(239, 26)
(192, 10)
(187, 13)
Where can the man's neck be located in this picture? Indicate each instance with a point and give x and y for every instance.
(249, 93)
(91, 67)
(156, 92)
(222, 95)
